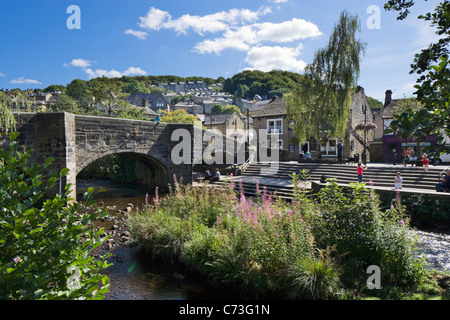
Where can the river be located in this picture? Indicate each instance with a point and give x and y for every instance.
(133, 275)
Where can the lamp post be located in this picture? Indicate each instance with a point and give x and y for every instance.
(364, 155)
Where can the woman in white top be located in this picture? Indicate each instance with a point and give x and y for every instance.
(398, 181)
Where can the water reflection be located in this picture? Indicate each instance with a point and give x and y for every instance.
(134, 275)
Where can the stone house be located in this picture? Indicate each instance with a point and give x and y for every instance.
(154, 101)
(389, 147)
(189, 106)
(230, 124)
(271, 116)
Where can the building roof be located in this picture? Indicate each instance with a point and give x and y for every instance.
(219, 118)
(389, 109)
(268, 108)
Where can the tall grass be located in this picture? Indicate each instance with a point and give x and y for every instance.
(266, 247)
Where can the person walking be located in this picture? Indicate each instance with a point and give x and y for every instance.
(425, 161)
(359, 171)
(398, 181)
(340, 147)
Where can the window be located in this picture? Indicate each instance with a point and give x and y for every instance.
(275, 143)
(160, 103)
(275, 126)
(328, 147)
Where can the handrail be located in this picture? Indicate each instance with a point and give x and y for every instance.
(246, 164)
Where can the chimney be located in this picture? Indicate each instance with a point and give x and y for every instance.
(388, 98)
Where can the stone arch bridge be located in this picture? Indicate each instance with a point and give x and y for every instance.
(75, 141)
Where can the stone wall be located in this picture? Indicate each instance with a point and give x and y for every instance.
(75, 141)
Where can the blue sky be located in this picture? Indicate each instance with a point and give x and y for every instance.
(199, 38)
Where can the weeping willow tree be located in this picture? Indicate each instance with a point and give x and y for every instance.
(7, 121)
(320, 106)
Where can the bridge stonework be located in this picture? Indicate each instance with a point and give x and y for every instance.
(75, 141)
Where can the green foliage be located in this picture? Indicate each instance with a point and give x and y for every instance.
(433, 83)
(352, 222)
(7, 120)
(135, 86)
(248, 83)
(266, 247)
(322, 102)
(179, 116)
(45, 244)
(219, 109)
(374, 103)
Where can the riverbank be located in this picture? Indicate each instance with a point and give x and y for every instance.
(145, 285)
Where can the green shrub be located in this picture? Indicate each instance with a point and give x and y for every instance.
(45, 244)
(352, 221)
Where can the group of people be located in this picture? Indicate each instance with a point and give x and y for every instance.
(304, 156)
(443, 184)
(409, 157)
(212, 177)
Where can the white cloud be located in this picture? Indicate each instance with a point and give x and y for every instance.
(22, 80)
(141, 35)
(114, 73)
(238, 39)
(154, 19)
(157, 19)
(278, 1)
(82, 63)
(267, 58)
(287, 31)
(241, 38)
(2, 74)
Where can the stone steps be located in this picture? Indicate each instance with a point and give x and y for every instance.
(413, 177)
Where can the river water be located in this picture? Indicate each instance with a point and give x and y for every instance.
(134, 275)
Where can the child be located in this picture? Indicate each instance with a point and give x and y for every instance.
(359, 170)
(398, 181)
(425, 161)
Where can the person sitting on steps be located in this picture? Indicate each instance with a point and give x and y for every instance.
(216, 176)
(445, 183)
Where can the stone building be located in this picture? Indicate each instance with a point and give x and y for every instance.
(389, 146)
(154, 101)
(231, 124)
(271, 116)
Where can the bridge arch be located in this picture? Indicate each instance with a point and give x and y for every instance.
(146, 170)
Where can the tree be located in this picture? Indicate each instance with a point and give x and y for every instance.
(108, 94)
(7, 120)
(65, 103)
(320, 105)
(217, 109)
(433, 84)
(135, 86)
(179, 116)
(242, 90)
(230, 108)
(55, 88)
(79, 91)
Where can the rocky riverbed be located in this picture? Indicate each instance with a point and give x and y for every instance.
(435, 248)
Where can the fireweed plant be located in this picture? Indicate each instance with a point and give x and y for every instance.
(264, 246)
